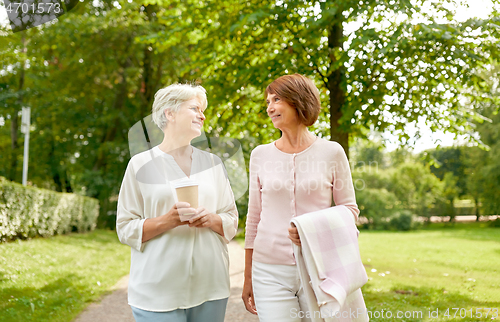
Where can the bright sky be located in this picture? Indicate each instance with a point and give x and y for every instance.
(429, 139)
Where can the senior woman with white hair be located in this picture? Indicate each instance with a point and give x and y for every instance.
(179, 269)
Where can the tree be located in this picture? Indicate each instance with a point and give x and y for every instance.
(368, 152)
(450, 192)
(485, 180)
(445, 160)
(92, 76)
(481, 162)
(13, 90)
(402, 64)
(376, 205)
(416, 188)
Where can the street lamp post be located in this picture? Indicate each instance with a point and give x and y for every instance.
(25, 128)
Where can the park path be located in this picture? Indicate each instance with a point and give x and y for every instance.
(114, 307)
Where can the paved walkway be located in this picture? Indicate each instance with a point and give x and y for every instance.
(114, 307)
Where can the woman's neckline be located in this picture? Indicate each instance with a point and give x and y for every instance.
(295, 153)
(178, 167)
(166, 154)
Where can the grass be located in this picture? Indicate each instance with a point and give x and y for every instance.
(441, 267)
(54, 279)
(418, 272)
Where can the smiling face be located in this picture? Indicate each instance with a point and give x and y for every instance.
(281, 113)
(189, 119)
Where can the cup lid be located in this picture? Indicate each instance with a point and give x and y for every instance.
(184, 183)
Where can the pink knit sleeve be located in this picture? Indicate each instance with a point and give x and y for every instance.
(254, 203)
(343, 188)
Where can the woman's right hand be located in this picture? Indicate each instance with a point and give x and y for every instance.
(156, 226)
(247, 296)
(178, 209)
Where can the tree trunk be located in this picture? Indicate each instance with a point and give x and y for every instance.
(452, 210)
(54, 162)
(476, 201)
(14, 127)
(335, 86)
(113, 128)
(68, 183)
(148, 81)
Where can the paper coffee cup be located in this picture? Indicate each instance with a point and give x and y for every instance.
(187, 191)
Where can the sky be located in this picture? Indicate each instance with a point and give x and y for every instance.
(429, 139)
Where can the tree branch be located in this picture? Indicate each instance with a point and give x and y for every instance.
(315, 67)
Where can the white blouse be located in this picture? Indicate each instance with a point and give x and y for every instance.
(184, 266)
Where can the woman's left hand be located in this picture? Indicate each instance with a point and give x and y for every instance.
(202, 219)
(293, 235)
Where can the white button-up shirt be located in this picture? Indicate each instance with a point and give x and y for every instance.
(184, 266)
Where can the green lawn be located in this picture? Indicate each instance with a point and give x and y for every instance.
(440, 268)
(54, 279)
(455, 267)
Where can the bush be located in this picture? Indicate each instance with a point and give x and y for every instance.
(377, 205)
(27, 212)
(495, 223)
(418, 190)
(403, 221)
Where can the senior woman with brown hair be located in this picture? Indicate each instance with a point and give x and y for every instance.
(294, 175)
(179, 270)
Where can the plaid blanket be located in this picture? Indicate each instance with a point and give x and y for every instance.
(330, 266)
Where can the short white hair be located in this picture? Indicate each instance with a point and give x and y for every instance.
(172, 97)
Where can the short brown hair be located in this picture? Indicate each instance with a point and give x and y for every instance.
(301, 93)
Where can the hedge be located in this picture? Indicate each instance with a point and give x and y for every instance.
(27, 212)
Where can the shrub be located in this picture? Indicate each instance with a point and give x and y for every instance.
(377, 205)
(418, 190)
(27, 212)
(495, 223)
(402, 221)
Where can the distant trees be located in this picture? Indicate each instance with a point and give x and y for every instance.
(428, 184)
(384, 193)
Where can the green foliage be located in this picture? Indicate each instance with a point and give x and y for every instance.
(27, 212)
(389, 198)
(449, 160)
(486, 179)
(416, 188)
(471, 171)
(402, 221)
(389, 64)
(92, 74)
(368, 152)
(399, 156)
(377, 205)
(495, 223)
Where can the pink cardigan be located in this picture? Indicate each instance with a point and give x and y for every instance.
(285, 185)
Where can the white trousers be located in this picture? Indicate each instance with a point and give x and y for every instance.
(279, 296)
